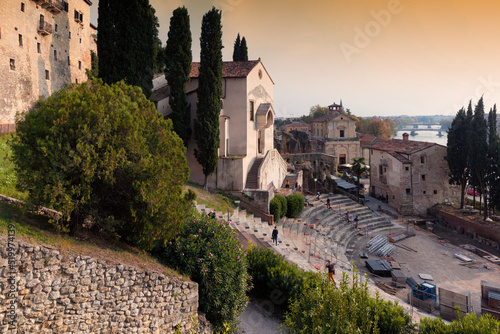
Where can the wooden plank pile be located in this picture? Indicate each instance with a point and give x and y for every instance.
(386, 288)
(448, 300)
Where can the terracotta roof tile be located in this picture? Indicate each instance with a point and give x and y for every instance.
(230, 69)
(324, 118)
(400, 157)
(402, 146)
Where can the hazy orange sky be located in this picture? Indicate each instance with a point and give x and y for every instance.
(381, 57)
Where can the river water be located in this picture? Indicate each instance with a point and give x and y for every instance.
(428, 136)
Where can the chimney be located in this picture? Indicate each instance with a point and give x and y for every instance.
(405, 136)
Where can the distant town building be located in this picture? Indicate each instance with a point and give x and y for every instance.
(338, 130)
(44, 44)
(297, 126)
(247, 157)
(411, 175)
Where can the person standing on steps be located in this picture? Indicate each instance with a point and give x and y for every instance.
(287, 184)
(274, 236)
(328, 204)
(331, 270)
(356, 220)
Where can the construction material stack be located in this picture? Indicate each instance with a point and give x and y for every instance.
(490, 298)
(449, 300)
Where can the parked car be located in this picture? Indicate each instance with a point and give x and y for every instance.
(471, 192)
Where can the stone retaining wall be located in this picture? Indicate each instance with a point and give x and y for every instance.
(45, 291)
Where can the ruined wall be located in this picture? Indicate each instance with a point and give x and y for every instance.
(481, 231)
(46, 291)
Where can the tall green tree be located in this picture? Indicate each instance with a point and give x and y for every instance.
(479, 160)
(457, 154)
(243, 50)
(126, 43)
(206, 124)
(240, 51)
(493, 179)
(159, 51)
(359, 168)
(178, 67)
(236, 49)
(103, 153)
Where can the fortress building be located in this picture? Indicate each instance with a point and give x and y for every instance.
(44, 45)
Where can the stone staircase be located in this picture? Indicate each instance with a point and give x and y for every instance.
(253, 175)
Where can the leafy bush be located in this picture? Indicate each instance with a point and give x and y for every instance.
(275, 208)
(274, 277)
(470, 324)
(210, 253)
(324, 308)
(103, 152)
(283, 201)
(295, 204)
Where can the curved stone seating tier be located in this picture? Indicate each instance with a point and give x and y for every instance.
(304, 239)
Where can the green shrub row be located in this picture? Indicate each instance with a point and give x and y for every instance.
(316, 305)
(210, 253)
(470, 324)
(278, 207)
(290, 206)
(273, 276)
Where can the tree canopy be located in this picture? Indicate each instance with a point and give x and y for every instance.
(378, 127)
(178, 67)
(126, 42)
(206, 124)
(102, 154)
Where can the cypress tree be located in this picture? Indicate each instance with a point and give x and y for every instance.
(206, 124)
(126, 42)
(479, 140)
(178, 66)
(493, 179)
(236, 50)
(457, 154)
(243, 50)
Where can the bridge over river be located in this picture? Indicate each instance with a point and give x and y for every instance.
(420, 127)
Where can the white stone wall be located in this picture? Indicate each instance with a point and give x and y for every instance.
(21, 87)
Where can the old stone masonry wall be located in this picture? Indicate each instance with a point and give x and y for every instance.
(44, 291)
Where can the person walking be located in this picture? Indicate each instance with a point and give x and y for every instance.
(331, 270)
(287, 184)
(356, 220)
(328, 204)
(274, 235)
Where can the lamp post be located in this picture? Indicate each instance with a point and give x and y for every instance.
(315, 179)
